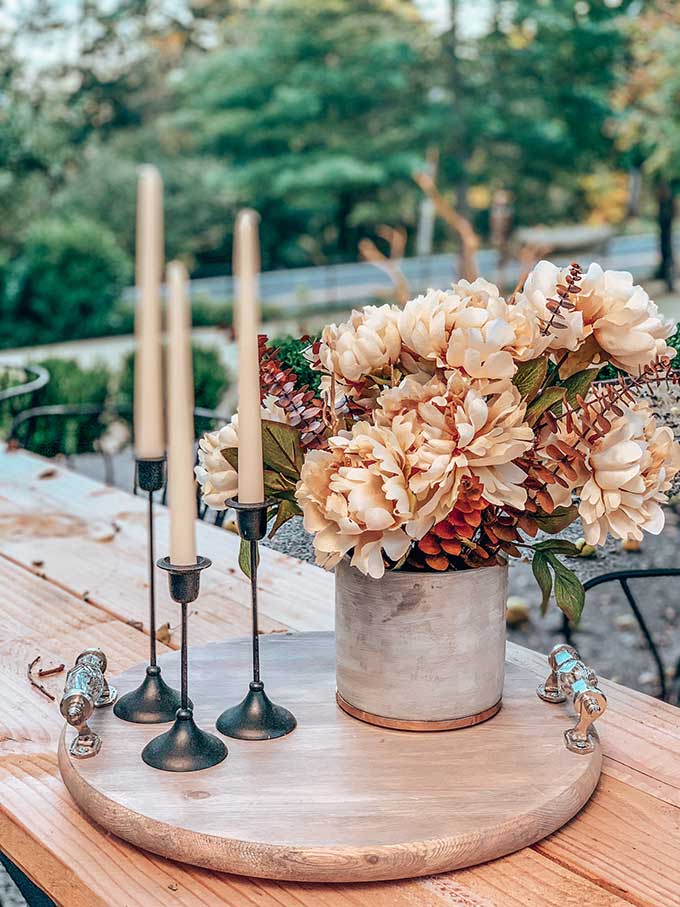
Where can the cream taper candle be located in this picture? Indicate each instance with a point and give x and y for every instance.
(246, 267)
(148, 403)
(180, 398)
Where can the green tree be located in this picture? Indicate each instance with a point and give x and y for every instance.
(648, 103)
(316, 113)
(529, 102)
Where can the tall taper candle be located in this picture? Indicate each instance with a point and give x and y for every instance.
(148, 407)
(246, 267)
(180, 397)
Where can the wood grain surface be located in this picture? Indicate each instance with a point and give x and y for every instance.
(358, 803)
(622, 849)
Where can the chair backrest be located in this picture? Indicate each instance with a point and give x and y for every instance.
(622, 577)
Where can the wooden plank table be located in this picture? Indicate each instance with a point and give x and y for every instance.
(72, 568)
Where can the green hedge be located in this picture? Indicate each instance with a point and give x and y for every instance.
(68, 384)
(65, 284)
(71, 384)
(210, 383)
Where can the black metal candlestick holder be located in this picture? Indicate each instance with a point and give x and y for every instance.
(153, 701)
(184, 747)
(256, 717)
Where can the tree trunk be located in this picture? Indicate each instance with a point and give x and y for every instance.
(346, 235)
(666, 212)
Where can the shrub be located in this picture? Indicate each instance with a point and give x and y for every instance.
(68, 384)
(64, 285)
(210, 382)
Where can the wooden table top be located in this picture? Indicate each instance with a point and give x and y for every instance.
(73, 574)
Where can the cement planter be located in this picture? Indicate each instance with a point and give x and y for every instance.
(420, 651)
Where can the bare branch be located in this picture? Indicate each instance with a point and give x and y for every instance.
(469, 240)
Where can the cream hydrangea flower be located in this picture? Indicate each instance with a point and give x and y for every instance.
(369, 342)
(214, 473)
(623, 319)
(462, 427)
(630, 468)
(355, 495)
(470, 328)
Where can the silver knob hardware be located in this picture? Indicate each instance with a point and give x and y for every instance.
(569, 676)
(85, 690)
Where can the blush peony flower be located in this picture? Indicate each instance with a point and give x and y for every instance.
(623, 319)
(630, 469)
(461, 427)
(539, 287)
(470, 328)
(368, 343)
(214, 473)
(355, 496)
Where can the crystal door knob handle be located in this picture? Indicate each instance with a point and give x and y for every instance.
(85, 690)
(570, 677)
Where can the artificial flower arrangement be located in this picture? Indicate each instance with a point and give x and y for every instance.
(448, 432)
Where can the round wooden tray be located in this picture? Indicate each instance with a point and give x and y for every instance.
(337, 800)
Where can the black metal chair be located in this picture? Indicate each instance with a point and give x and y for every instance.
(74, 416)
(24, 424)
(37, 376)
(622, 577)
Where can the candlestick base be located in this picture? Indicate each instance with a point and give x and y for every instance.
(185, 747)
(256, 717)
(152, 702)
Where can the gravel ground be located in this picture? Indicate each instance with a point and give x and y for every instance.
(9, 894)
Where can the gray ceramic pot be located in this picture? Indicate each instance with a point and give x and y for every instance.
(420, 651)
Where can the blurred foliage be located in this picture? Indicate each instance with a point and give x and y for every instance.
(69, 384)
(291, 351)
(647, 101)
(64, 283)
(317, 112)
(210, 384)
(647, 107)
(531, 102)
(607, 195)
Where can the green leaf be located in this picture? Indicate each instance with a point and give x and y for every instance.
(559, 519)
(558, 546)
(276, 482)
(585, 355)
(244, 557)
(284, 512)
(539, 565)
(547, 398)
(569, 592)
(579, 384)
(530, 376)
(281, 448)
(230, 454)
